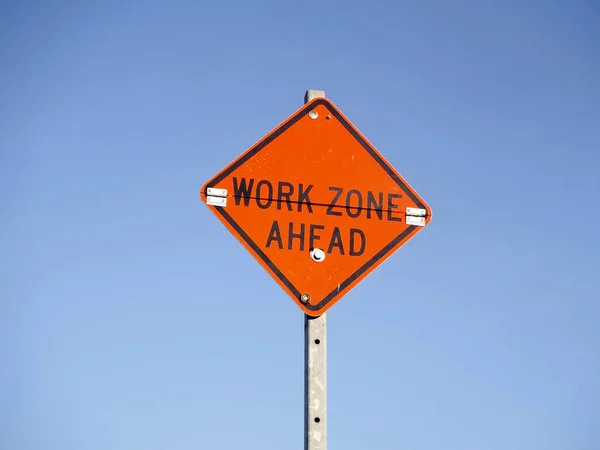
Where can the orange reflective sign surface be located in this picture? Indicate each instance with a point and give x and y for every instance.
(316, 205)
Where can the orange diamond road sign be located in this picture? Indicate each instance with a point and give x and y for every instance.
(316, 205)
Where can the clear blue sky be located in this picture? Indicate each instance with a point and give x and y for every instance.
(131, 319)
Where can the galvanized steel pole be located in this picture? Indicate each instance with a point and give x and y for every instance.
(315, 367)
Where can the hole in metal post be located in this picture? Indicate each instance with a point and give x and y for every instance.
(317, 341)
(317, 419)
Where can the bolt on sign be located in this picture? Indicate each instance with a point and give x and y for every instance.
(317, 205)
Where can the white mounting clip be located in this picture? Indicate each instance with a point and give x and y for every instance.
(216, 197)
(416, 216)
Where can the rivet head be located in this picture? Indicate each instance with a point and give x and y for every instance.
(317, 255)
(313, 114)
(305, 298)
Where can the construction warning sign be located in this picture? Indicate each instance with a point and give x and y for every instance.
(316, 205)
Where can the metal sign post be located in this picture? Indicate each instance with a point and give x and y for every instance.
(319, 208)
(315, 382)
(315, 367)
